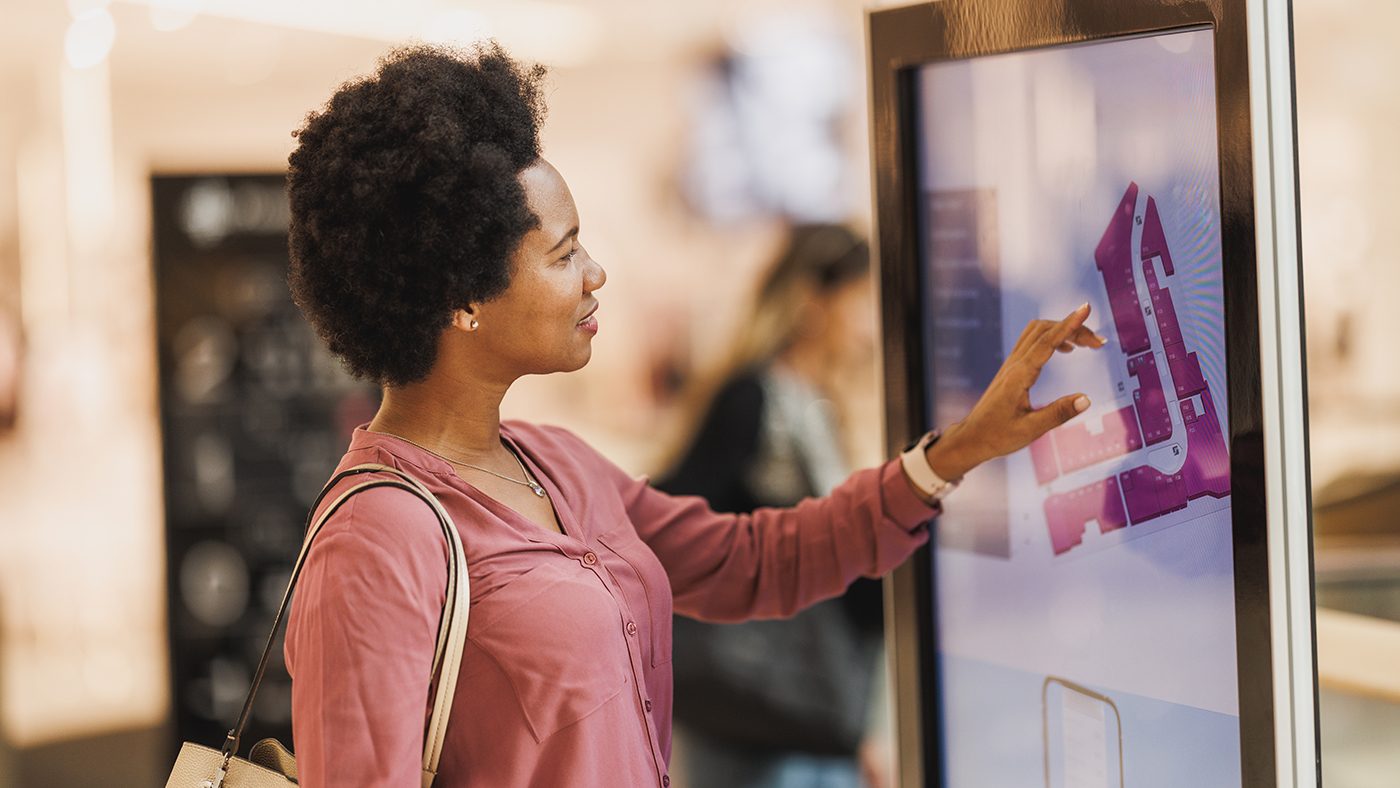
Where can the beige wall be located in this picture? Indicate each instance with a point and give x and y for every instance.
(1349, 110)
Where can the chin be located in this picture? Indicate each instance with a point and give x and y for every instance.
(578, 362)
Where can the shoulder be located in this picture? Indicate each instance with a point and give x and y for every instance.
(369, 515)
(376, 572)
(745, 386)
(551, 440)
(735, 413)
(562, 448)
(740, 395)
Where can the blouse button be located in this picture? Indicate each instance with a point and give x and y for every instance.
(666, 781)
(647, 704)
(590, 558)
(631, 627)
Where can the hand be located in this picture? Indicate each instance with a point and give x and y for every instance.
(1003, 420)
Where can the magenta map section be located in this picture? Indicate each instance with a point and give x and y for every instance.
(1114, 259)
(1149, 401)
(1168, 380)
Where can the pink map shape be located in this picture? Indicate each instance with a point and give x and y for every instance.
(1150, 400)
(1185, 367)
(1067, 513)
(1141, 493)
(1114, 259)
(1154, 239)
(1207, 468)
(1151, 493)
(1043, 458)
(1077, 448)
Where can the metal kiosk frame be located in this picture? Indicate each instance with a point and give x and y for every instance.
(1267, 428)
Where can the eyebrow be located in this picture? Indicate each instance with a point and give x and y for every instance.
(570, 234)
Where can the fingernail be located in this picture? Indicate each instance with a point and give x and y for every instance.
(1103, 340)
(1081, 404)
(1083, 307)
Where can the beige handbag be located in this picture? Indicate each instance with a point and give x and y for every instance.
(269, 764)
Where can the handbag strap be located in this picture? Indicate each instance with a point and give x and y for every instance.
(452, 631)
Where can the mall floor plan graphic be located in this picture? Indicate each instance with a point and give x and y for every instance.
(1155, 456)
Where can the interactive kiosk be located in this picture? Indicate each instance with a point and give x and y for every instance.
(1128, 601)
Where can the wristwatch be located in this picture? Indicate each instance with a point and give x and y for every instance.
(916, 467)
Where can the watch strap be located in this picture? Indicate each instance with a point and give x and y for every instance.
(916, 467)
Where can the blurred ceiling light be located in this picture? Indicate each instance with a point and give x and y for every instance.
(553, 33)
(89, 38)
(168, 16)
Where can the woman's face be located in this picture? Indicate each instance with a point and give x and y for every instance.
(848, 332)
(543, 322)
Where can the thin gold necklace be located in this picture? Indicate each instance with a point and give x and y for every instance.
(529, 480)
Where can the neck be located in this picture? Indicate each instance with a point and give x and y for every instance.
(458, 417)
(809, 362)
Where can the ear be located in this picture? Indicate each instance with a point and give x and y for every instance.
(466, 318)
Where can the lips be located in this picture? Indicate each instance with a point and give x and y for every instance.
(589, 323)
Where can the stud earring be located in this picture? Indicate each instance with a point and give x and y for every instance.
(473, 324)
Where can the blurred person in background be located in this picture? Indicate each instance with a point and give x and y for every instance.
(783, 703)
(440, 255)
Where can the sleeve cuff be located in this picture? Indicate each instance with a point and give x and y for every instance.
(901, 504)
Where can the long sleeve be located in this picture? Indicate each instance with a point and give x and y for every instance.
(360, 642)
(773, 562)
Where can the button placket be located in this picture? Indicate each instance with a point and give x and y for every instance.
(638, 672)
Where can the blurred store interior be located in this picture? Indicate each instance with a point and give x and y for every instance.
(142, 263)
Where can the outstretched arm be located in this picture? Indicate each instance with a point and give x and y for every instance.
(774, 562)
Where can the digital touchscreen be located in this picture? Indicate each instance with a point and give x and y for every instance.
(1084, 589)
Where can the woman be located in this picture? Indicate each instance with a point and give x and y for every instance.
(768, 704)
(439, 254)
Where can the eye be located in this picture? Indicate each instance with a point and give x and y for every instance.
(573, 252)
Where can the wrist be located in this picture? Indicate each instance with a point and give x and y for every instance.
(914, 486)
(950, 456)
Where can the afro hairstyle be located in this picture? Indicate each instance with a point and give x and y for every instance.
(406, 203)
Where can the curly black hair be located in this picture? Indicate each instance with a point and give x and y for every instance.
(405, 201)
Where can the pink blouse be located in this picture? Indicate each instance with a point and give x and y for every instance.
(566, 677)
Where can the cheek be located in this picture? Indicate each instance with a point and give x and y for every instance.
(555, 306)
(536, 316)
(857, 327)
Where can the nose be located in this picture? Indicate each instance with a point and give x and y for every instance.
(594, 276)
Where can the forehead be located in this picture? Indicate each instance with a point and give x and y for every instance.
(549, 198)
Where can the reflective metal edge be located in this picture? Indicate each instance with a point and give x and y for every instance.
(1284, 390)
(902, 653)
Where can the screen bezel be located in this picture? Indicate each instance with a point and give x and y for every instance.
(901, 40)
